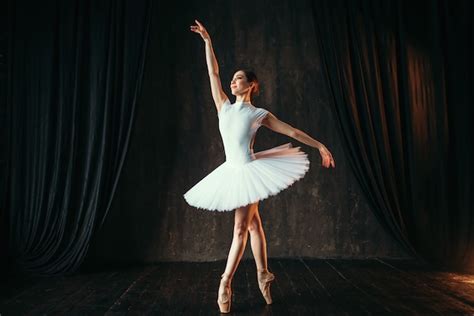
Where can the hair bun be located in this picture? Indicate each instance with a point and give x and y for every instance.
(252, 77)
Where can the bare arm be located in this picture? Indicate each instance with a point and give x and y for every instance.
(273, 123)
(212, 66)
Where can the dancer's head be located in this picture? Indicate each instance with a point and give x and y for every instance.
(244, 82)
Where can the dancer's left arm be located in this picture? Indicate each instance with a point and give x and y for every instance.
(272, 122)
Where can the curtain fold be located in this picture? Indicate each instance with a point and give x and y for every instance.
(75, 74)
(401, 78)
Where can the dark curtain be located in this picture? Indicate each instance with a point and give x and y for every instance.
(75, 74)
(401, 77)
(3, 139)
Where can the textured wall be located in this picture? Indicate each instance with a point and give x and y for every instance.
(176, 142)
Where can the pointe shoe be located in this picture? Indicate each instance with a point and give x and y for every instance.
(265, 279)
(224, 296)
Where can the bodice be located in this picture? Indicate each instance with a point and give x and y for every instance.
(238, 124)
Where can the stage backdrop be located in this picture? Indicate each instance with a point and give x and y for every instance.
(175, 142)
(75, 73)
(401, 76)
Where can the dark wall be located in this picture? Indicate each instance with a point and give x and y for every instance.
(176, 142)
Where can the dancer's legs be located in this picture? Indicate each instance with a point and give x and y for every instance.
(258, 241)
(242, 218)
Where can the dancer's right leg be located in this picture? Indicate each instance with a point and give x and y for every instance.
(243, 216)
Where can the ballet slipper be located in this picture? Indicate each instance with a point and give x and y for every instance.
(224, 296)
(265, 278)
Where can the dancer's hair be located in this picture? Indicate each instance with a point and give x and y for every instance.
(252, 77)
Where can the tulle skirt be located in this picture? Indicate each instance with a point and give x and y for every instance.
(230, 186)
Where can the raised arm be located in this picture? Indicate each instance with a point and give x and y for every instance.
(212, 66)
(272, 122)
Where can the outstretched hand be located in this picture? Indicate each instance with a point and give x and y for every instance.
(326, 156)
(200, 29)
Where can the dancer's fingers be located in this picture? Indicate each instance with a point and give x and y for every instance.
(201, 27)
(195, 29)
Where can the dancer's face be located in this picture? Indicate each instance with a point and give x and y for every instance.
(239, 84)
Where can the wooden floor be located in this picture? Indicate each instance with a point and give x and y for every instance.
(302, 287)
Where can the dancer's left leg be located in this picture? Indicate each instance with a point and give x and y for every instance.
(258, 242)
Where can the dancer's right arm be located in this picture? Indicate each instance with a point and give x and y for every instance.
(212, 66)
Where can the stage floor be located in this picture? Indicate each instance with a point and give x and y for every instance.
(302, 287)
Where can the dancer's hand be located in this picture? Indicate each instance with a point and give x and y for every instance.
(326, 157)
(199, 28)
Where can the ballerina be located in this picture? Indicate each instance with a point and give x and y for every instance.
(247, 177)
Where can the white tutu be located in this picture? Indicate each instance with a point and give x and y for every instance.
(231, 186)
(246, 177)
